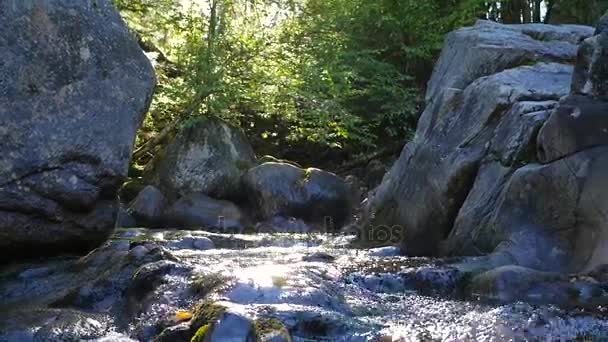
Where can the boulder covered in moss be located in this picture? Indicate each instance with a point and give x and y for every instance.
(207, 155)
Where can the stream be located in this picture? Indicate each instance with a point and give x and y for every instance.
(317, 286)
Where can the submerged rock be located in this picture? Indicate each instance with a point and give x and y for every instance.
(315, 196)
(271, 291)
(207, 156)
(75, 88)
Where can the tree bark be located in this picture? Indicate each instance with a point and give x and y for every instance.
(536, 11)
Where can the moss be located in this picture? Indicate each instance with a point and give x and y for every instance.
(136, 170)
(131, 189)
(206, 313)
(204, 284)
(200, 334)
(265, 326)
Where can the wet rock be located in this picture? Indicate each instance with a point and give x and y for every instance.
(215, 322)
(203, 212)
(271, 330)
(147, 208)
(191, 242)
(385, 252)
(176, 333)
(207, 156)
(319, 257)
(280, 224)
(313, 195)
(75, 88)
(53, 325)
(147, 277)
(512, 283)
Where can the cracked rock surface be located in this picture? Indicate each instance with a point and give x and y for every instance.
(74, 88)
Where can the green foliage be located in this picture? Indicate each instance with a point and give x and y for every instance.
(298, 76)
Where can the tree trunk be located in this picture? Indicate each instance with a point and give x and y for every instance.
(536, 11)
(526, 12)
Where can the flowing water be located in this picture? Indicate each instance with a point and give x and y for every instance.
(316, 285)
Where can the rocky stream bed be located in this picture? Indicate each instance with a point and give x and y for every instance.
(155, 285)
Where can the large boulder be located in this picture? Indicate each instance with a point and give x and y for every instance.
(480, 126)
(74, 89)
(207, 156)
(315, 196)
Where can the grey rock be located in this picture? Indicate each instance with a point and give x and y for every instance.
(148, 207)
(513, 283)
(547, 217)
(74, 90)
(124, 219)
(591, 72)
(580, 122)
(203, 212)
(602, 25)
(426, 188)
(176, 333)
(488, 48)
(207, 156)
(313, 195)
(53, 325)
(232, 327)
(374, 172)
(190, 242)
(281, 224)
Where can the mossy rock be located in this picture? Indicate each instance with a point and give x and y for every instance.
(131, 189)
(270, 328)
(136, 170)
(201, 333)
(205, 316)
(204, 284)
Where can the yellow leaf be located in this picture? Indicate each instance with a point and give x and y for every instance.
(183, 315)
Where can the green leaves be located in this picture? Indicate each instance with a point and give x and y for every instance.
(340, 74)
